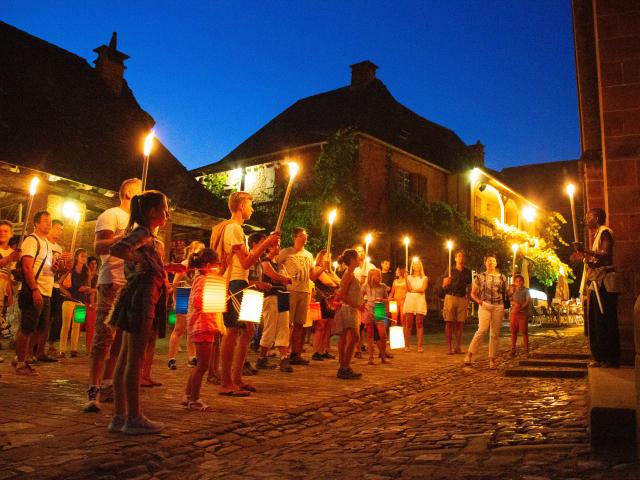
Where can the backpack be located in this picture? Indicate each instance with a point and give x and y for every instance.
(216, 243)
(17, 272)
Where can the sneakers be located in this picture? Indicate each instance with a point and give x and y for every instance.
(347, 374)
(193, 362)
(106, 394)
(317, 357)
(48, 358)
(116, 423)
(328, 356)
(263, 364)
(297, 360)
(285, 366)
(171, 364)
(25, 371)
(248, 370)
(141, 426)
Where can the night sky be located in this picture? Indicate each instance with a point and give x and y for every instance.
(212, 73)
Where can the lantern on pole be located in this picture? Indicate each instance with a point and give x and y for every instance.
(332, 218)
(251, 306)
(171, 317)
(396, 337)
(182, 299)
(315, 311)
(406, 252)
(449, 247)
(570, 191)
(393, 306)
(214, 294)
(79, 313)
(367, 241)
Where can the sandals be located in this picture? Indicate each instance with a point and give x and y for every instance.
(198, 405)
(234, 393)
(248, 388)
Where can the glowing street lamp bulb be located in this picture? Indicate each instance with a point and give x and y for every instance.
(33, 187)
(406, 240)
(571, 188)
(148, 143)
(293, 169)
(514, 247)
(529, 214)
(70, 210)
(332, 215)
(449, 244)
(475, 175)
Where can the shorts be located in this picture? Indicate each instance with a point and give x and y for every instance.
(518, 322)
(34, 319)
(203, 337)
(299, 308)
(103, 335)
(276, 324)
(230, 317)
(455, 308)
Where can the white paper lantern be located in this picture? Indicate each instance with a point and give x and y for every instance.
(396, 337)
(251, 306)
(214, 294)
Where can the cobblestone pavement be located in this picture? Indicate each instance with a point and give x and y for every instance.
(423, 416)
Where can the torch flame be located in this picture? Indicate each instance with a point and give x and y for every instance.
(514, 247)
(293, 169)
(148, 143)
(571, 189)
(449, 244)
(332, 216)
(34, 186)
(368, 238)
(406, 240)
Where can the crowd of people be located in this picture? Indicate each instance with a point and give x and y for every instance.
(127, 292)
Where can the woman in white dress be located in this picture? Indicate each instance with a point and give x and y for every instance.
(415, 303)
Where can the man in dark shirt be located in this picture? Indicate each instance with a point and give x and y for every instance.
(387, 275)
(456, 301)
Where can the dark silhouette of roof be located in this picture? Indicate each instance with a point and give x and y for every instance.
(369, 109)
(58, 116)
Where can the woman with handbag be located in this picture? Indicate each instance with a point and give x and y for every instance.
(489, 292)
(76, 288)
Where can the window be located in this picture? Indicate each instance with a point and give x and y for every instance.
(402, 180)
(418, 185)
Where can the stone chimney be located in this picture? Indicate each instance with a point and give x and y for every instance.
(362, 74)
(110, 64)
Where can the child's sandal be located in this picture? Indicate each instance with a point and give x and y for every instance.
(198, 405)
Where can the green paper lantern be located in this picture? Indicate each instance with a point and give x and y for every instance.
(79, 313)
(171, 318)
(380, 311)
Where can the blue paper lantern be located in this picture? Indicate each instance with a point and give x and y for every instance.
(182, 299)
(380, 311)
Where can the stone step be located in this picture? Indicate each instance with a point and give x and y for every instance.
(546, 372)
(542, 362)
(560, 355)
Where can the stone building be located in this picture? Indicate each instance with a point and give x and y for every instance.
(423, 158)
(81, 130)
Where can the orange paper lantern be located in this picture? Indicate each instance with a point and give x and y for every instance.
(393, 306)
(315, 311)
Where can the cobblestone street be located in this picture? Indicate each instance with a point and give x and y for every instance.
(423, 416)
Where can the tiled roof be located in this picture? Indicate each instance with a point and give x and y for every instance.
(57, 115)
(370, 109)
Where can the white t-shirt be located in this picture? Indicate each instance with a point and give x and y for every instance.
(298, 265)
(112, 268)
(233, 235)
(45, 279)
(362, 273)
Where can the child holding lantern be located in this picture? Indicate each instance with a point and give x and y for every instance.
(375, 292)
(203, 329)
